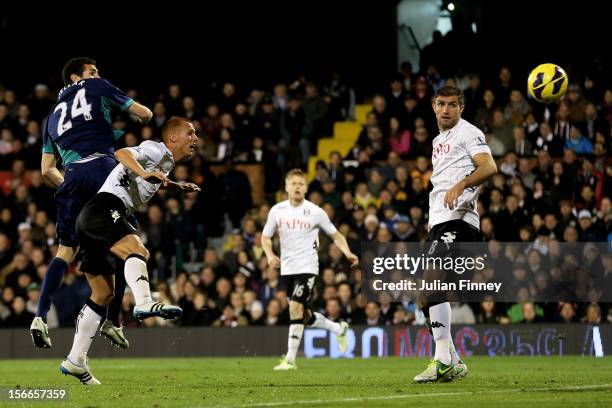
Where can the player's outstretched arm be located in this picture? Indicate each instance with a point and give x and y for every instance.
(48, 168)
(186, 187)
(142, 112)
(126, 157)
(341, 243)
(485, 169)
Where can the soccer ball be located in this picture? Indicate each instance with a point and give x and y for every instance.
(547, 83)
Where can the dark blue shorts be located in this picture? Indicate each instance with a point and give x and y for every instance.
(81, 182)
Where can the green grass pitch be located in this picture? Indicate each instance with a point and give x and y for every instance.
(378, 382)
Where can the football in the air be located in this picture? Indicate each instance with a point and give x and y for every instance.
(547, 83)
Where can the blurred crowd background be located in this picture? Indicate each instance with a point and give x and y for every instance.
(255, 102)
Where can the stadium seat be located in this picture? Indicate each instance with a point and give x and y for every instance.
(344, 138)
(361, 113)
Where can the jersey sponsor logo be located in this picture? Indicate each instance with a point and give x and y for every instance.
(293, 224)
(440, 150)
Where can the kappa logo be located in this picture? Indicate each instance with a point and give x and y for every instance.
(115, 215)
(124, 181)
(437, 325)
(449, 236)
(142, 277)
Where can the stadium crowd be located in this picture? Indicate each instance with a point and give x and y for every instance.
(554, 184)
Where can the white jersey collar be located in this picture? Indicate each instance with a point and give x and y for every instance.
(457, 126)
(167, 151)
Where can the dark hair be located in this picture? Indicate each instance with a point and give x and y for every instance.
(448, 90)
(75, 66)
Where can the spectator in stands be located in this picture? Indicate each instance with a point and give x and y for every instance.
(496, 146)
(41, 102)
(588, 232)
(336, 168)
(399, 139)
(487, 313)
(484, 114)
(462, 313)
(561, 124)
(420, 145)
(159, 118)
(531, 127)
(294, 145)
(502, 130)
(211, 123)
(548, 141)
(473, 97)
(396, 95)
(273, 313)
(517, 108)
(593, 123)
(333, 309)
(576, 103)
(525, 174)
(315, 111)
(373, 315)
(592, 315)
(189, 109)
(567, 312)
(578, 143)
(504, 86)
(531, 313)
(522, 146)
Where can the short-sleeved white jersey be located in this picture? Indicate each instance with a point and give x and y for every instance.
(452, 160)
(298, 228)
(131, 188)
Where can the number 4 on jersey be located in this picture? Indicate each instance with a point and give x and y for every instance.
(79, 107)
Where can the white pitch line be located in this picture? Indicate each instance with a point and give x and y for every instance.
(418, 395)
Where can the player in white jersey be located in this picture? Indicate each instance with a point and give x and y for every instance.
(298, 221)
(461, 162)
(105, 233)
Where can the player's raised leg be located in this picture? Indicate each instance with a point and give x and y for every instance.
(339, 329)
(88, 321)
(131, 249)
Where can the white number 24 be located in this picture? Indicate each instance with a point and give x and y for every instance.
(79, 107)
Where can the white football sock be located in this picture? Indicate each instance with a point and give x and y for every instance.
(453, 352)
(440, 316)
(137, 278)
(295, 337)
(87, 324)
(323, 322)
